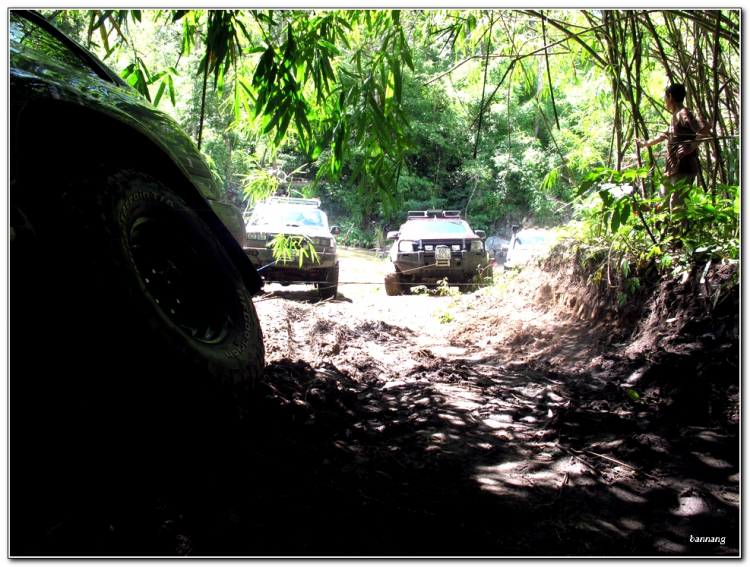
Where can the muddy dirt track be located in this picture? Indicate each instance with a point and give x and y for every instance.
(483, 423)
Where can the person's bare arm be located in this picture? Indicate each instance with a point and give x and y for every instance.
(644, 144)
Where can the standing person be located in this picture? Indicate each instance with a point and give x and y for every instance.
(682, 143)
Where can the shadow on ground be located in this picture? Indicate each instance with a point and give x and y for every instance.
(516, 467)
(460, 459)
(121, 455)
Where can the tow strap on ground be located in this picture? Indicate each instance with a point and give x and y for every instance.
(264, 267)
(450, 284)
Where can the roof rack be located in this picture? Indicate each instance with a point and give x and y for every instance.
(315, 202)
(434, 213)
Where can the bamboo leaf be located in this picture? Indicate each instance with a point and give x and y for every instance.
(287, 116)
(142, 65)
(156, 77)
(141, 84)
(406, 52)
(301, 118)
(615, 224)
(157, 98)
(322, 143)
(103, 18)
(220, 82)
(127, 71)
(625, 213)
(397, 85)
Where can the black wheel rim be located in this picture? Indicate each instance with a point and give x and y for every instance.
(178, 280)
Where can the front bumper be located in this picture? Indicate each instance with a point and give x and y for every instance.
(421, 266)
(290, 270)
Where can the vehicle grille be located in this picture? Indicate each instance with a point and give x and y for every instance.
(426, 244)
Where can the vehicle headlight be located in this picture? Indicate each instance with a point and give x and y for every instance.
(455, 247)
(324, 242)
(406, 246)
(256, 236)
(476, 246)
(429, 247)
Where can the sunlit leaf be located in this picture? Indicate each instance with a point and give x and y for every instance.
(157, 98)
(171, 90)
(127, 71)
(103, 18)
(156, 77)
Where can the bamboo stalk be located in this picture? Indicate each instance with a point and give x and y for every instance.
(659, 46)
(484, 85)
(549, 75)
(707, 25)
(546, 122)
(574, 37)
(717, 147)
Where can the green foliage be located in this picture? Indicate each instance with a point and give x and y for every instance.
(713, 222)
(443, 316)
(287, 248)
(258, 185)
(383, 111)
(617, 193)
(444, 289)
(634, 396)
(362, 237)
(621, 247)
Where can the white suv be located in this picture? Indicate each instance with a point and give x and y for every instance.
(304, 228)
(525, 244)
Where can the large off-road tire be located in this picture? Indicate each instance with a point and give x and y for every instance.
(148, 258)
(327, 289)
(393, 284)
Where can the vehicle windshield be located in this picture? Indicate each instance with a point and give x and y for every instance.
(532, 240)
(289, 215)
(426, 228)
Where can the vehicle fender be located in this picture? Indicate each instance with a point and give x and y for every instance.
(231, 217)
(50, 131)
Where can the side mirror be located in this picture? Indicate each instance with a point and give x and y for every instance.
(335, 230)
(392, 235)
(481, 234)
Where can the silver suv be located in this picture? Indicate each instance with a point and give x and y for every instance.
(433, 245)
(310, 245)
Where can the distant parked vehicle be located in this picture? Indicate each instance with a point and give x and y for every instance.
(497, 247)
(526, 244)
(434, 245)
(313, 257)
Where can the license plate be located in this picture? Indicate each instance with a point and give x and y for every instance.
(442, 253)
